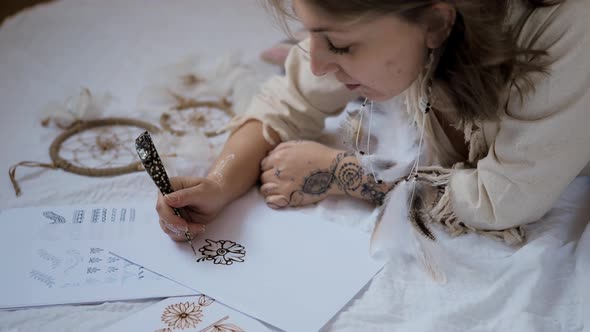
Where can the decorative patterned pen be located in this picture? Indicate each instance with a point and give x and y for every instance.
(155, 168)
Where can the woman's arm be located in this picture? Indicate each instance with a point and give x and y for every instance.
(237, 168)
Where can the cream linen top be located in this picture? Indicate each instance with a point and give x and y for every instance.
(518, 166)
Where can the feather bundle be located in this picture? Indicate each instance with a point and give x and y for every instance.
(393, 139)
(80, 107)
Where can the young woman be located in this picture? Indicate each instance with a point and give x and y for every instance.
(501, 90)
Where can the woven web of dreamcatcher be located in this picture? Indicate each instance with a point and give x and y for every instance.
(189, 115)
(101, 147)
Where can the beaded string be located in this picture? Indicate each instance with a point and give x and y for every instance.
(368, 145)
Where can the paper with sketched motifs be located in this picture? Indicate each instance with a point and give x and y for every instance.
(60, 255)
(291, 270)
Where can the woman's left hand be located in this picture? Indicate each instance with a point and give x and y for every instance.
(298, 173)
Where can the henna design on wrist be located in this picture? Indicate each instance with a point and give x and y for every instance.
(374, 191)
(348, 176)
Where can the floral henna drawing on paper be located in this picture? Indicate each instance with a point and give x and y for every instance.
(222, 252)
(185, 315)
(182, 315)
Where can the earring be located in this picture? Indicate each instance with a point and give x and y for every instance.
(425, 101)
(368, 146)
(359, 126)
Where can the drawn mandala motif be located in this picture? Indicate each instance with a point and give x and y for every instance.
(222, 252)
(182, 315)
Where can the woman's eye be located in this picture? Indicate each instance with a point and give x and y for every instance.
(337, 50)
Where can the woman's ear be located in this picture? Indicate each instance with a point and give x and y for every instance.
(439, 20)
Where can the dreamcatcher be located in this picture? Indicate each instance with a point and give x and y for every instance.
(101, 147)
(205, 116)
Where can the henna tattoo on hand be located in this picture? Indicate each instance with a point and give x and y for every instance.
(348, 176)
(376, 191)
(372, 193)
(318, 183)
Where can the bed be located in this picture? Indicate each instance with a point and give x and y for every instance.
(51, 51)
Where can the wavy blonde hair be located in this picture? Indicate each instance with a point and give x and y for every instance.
(480, 59)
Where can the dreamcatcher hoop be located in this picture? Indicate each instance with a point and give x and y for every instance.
(183, 104)
(75, 129)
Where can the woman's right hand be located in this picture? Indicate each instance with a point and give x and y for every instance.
(200, 201)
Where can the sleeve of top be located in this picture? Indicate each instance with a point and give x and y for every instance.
(542, 142)
(295, 105)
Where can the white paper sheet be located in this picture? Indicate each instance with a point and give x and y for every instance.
(297, 271)
(191, 314)
(60, 255)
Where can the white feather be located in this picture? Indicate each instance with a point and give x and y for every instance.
(396, 145)
(394, 235)
(390, 236)
(394, 140)
(80, 107)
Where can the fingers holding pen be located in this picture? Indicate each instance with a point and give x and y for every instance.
(177, 228)
(173, 225)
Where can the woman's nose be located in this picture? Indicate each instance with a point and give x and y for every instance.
(321, 62)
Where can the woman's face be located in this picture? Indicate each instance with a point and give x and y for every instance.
(379, 58)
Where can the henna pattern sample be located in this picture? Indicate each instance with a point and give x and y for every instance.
(182, 315)
(54, 260)
(44, 278)
(54, 217)
(78, 216)
(222, 252)
(95, 216)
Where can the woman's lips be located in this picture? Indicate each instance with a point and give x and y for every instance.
(352, 86)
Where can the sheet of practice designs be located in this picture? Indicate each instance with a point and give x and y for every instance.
(60, 255)
(286, 268)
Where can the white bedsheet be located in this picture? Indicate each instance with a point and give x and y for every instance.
(49, 52)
